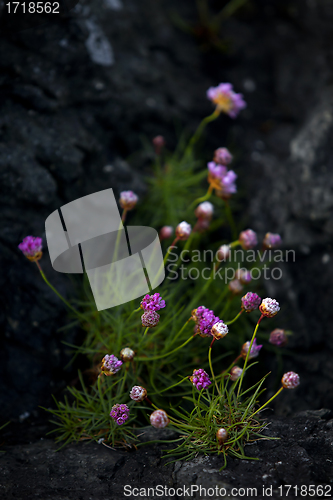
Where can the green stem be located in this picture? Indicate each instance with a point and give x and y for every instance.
(146, 331)
(267, 402)
(231, 220)
(167, 354)
(197, 134)
(123, 381)
(135, 310)
(171, 386)
(211, 366)
(248, 354)
(235, 318)
(57, 293)
(202, 198)
(173, 244)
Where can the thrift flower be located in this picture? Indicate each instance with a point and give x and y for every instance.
(235, 286)
(31, 247)
(127, 354)
(166, 232)
(215, 171)
(254, 349)
(290, 380)
(152, 302)
(110, 365)
(183, 231)
(278, 337)
(159, 143)
(269, 307)
(219, 330)
(235, 373)
(272, 240)
(206, 320)
(222, 156)
(128, 200)
(204, 211)
(222, 435)
(248, 239)
(138, 393)
(228, 186)
(119, 413)
(150, 319)
(226, 100)
(159, 419)
(200, 379)
(223, 252)
(250, 302)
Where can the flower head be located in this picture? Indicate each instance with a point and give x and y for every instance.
(254, 349)
(215, 171)
(227, 185)
(166, 232)
(235, 373)
(159, 419)
(31, 247)
(223, 252)
(226, 99)
(222, 156)
(138, 393)
(128, 200)
(222, 435)
(200, 379)
(235, 286)
(119, 413)
(278, 337)
(152, 302)
(269, 307)
(159, 143)
(183, 231)
(244, 276)
(127, 354)
(219, 330)
(204, 211)
(248, 239)
(205, 321)
(150, 319)
(110, 364)
(250, 302)
(290, 380)
(272, 240)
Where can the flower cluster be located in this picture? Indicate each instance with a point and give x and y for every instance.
(250, 302)
(183, 231)
(110, 364)
(290, 380)
(226, 100)
(31, 247)
(119, 413)
(222, 156)
(269, 307)
(159, 419)
(152, 302)
(200, 379)
(271, 240)
(138, 393)
(150, 319)
(248, 239)
(278, 337)
(205, 319)
(222, 180)
(219, 330)
(128, 200)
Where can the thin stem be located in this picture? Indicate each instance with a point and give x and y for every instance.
(57, 293)
(235, 318)
(167, 354)
(197, 134)
(202, 198)
(123, 217)
(231, 220)
(173, 244)
(174, 385)
(146, 331)
(267, 402)
(211, 366)
(123, 380)
(230, 366)
(248, 354)
(135, 310)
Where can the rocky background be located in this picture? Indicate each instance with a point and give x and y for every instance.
(78, 96)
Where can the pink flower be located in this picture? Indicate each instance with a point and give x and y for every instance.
(138, 393)
(250, 302)
(290, 380)
(166, 232)
(200, 379)
(272, 240)
(269, 307)
(150, 319)
(226, 100)
(204, 211)
(248, 239)
(278, 337)
(128, 200)
(119, 413)
(222, 156)
(152, 302)
(110, 364)
(254, 349)
(235, 286)
(31, 247)
(159, 143)
(183, 231)
(159, 419)
(235, 373)
(219, 330)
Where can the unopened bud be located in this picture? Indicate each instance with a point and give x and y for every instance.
(159, 419)
(223, 252)
(183, 231)
(219, 330)
(278, 337)
(166, 232)
(138, 393)
(290, 380)
(235, 286)
(222, 435)
(127, 354)
(235, 373)
(150, 319)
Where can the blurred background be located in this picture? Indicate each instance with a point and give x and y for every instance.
(82, 96)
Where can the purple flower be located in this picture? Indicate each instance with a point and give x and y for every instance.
(244, 276)
(272, 240)
(204, 211)
(119, 413)
(152, 302)
(205, 321)
(228, 186)
(138, 393)
(248, 239)
(183, 231)
(222, 156)
(110, 364)
(159, 419)
(150, 319)
(250, 302)
(200, 379)
(278, 337)
(235, 373)
(226, 99)
(31, 247)
(216, 171)
(128, 200)
(254, 349)
(269, 307)
(290, 380)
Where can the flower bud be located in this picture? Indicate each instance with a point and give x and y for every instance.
(158, 143)
(235, 286)
(272, 240)
(219, 330)
(290, 380)
(222, 435)
(166, 232)
(138, 393)
(278, 337)
(150, 319)
(244, 276)
(254, 353)
(250, 302)
(128, 200)
(223, 252)
(235, 373)
(248, 239)
(31, 247)
(222, 156)
(159, 419)
(110, 365)
(183, 231)
(204, 211)
(269, 307)
(127, 354)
